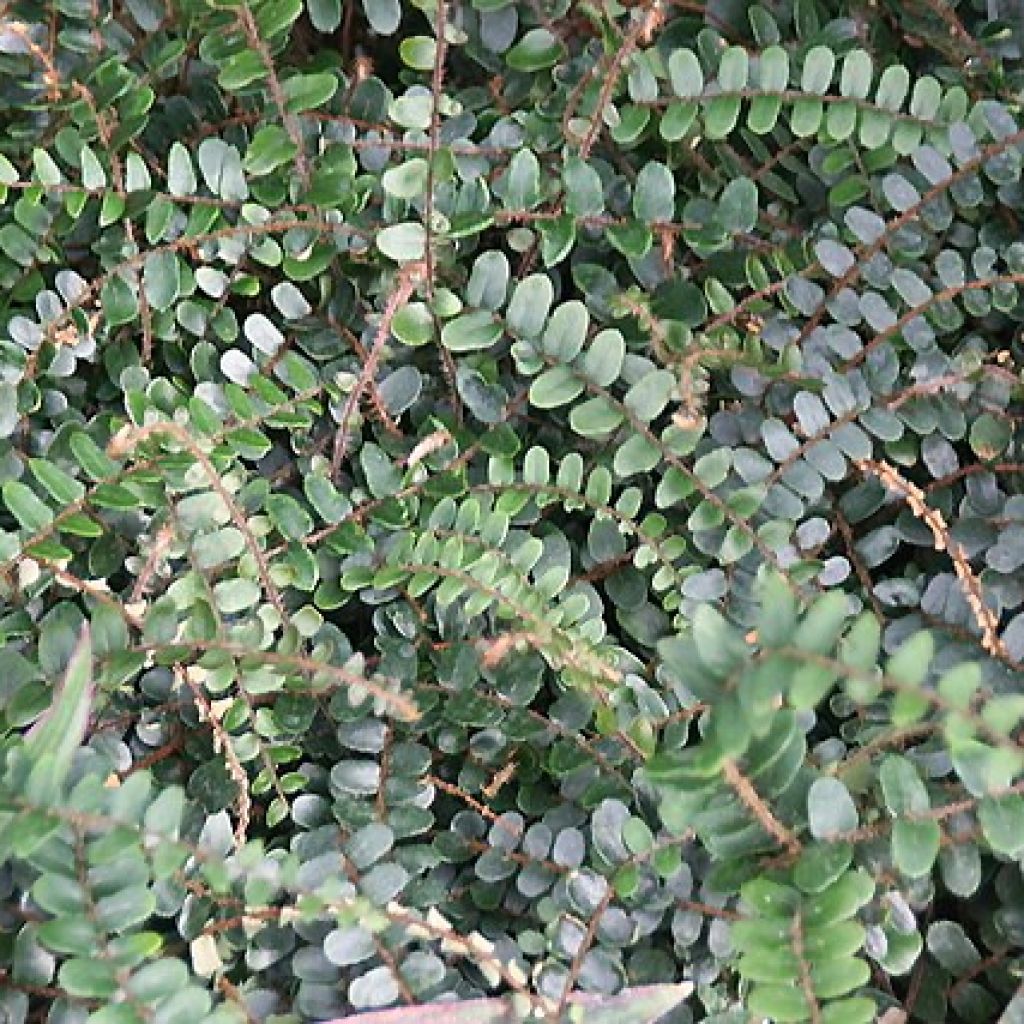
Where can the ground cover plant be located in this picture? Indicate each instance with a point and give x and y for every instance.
(511, 499)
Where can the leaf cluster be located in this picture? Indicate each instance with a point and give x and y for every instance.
(511, 500)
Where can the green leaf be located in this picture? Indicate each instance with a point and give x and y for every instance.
(537, 50)
(158, 979)
(271, 147)
(737, 206)
(989, 436)
(566, 331)
(830, 808)
(69, 933)
(310, 91)
(984, 769)
(325, 15)
(892, 87)
(414, 111)
(647, 398)
(63, 488)
(720, 116)
(909, 665)
(17, 244)
(241, 70)
(595, 417)
(855, 81)
(654, 194)
(161, 279)
(820, 627)
(31, 513)
(125, 908)
(1002, 823)
(902, 788)
(471, 332)
(915, 845)
(677, 121)
(840, 901)
(523, 181)
(120, 305)
(555, 387)
(221, 167)
(93, 175)
(96, 463)
(87, 978)
(782, 1003)
(8, 172)
(951, 947)
(584, 194)
(384, 16)
(407, 180)
(839, 977)
(413, 325)
(859, 1010)
(528, 309)
(819, 65)
(290, 518)
(733, 69)
(685, 73)
(9, 412)
(403, 242)
(602, 362)
(636, 455)
(46, 170)
(180, 174)
(55, 737)
(418, 52)
(488, 281)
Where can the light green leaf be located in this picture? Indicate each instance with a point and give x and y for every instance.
(733, 69)
(384, 16)
(819, 65)
(555, 387)
(902, 787)
(221, 167)
(418, 52)
(161, 279)
(648, 396)
(915, 845)
(595, 417)
(93, 175)
(737, 206)
(685, 73)
(407, 180)
(855, 81)
(892, 87)
(654, 194)
(523, 181)
(584, 194)
(471, 332)
(566, 331)
(325, 15)
(602, 362)
(1002, 822)
(830, 808)
(413, 325)
(528, 309)
(307, 92)
(403, 242)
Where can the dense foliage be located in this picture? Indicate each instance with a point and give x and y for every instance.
(511, 497)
